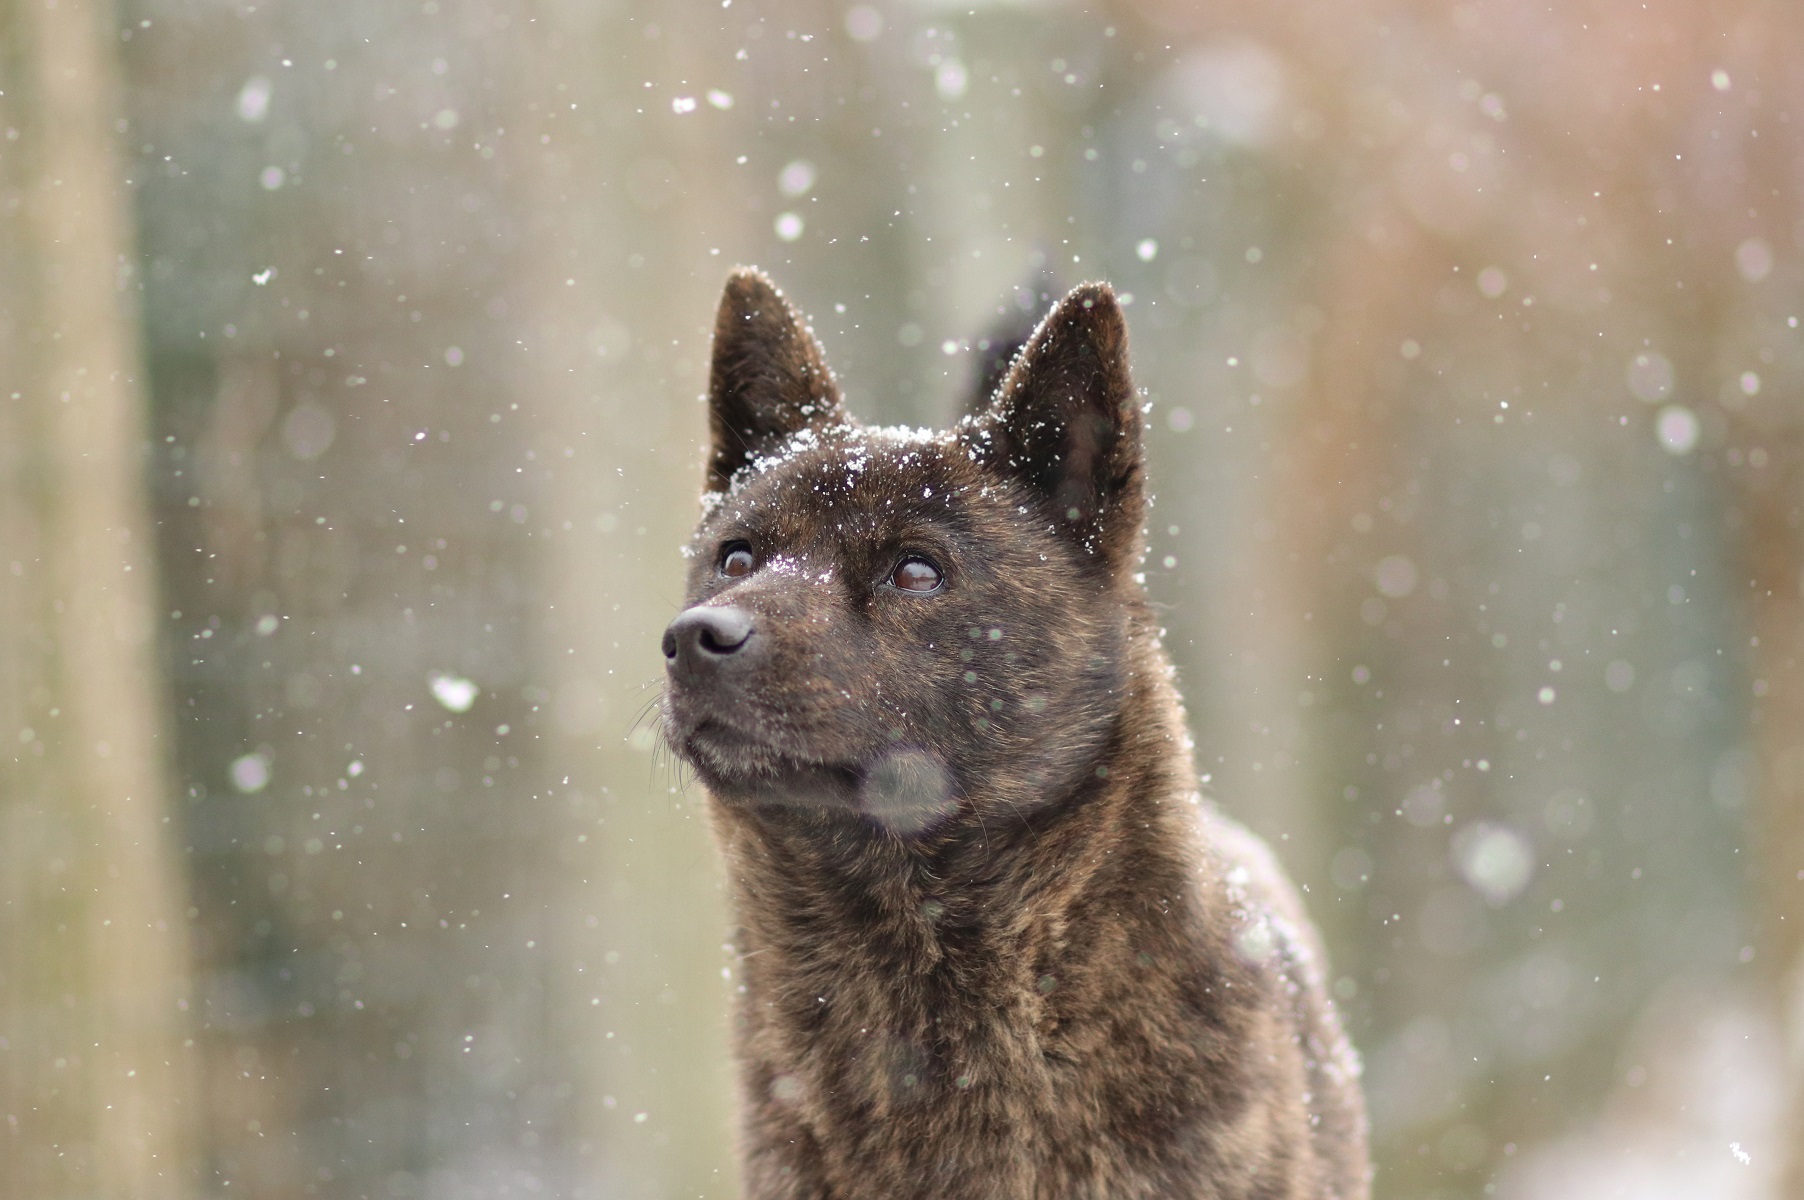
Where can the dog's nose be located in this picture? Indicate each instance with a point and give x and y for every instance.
(705, 634)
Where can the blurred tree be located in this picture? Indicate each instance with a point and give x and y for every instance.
(1751, 265)
(1771, 503)
(344, 530)
(94, 1086)
(615, 288)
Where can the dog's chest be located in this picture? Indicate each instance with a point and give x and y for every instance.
(1003, 1059)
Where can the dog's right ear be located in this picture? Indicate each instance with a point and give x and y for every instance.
(769, 378)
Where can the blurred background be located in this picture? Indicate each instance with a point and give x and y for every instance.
(351, 353)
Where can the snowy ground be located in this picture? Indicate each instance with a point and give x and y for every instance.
(1694, 1113)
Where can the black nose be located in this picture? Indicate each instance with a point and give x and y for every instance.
(706, 634)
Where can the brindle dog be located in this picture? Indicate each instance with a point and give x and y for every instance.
(993, 942)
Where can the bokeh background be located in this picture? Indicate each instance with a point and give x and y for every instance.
(350, 354)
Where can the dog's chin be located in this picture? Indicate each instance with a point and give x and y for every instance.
(739, 766)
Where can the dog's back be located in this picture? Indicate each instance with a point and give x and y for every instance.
(992, 942)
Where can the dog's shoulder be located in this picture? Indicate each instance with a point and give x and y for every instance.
(1271, 932)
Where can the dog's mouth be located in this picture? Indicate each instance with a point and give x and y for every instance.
(722, 745)
(905, 790)
(740, 750)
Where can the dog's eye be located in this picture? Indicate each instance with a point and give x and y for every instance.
(916, 575)
(736, 561)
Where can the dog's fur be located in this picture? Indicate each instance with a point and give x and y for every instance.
(992, 942)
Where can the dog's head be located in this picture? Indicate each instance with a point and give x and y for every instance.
(903, 624)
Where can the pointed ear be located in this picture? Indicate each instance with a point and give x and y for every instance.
(1066, 424)
(769, 378)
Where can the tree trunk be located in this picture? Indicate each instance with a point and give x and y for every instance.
(618, 290)
(1773, 557)
(92, 980)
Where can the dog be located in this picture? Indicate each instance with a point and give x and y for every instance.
(992, 942)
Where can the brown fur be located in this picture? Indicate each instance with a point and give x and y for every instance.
(992, 942)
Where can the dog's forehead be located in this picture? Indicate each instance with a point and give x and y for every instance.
(851, 471)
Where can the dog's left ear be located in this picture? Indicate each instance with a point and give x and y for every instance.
(1066, 424)
(769, 379)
